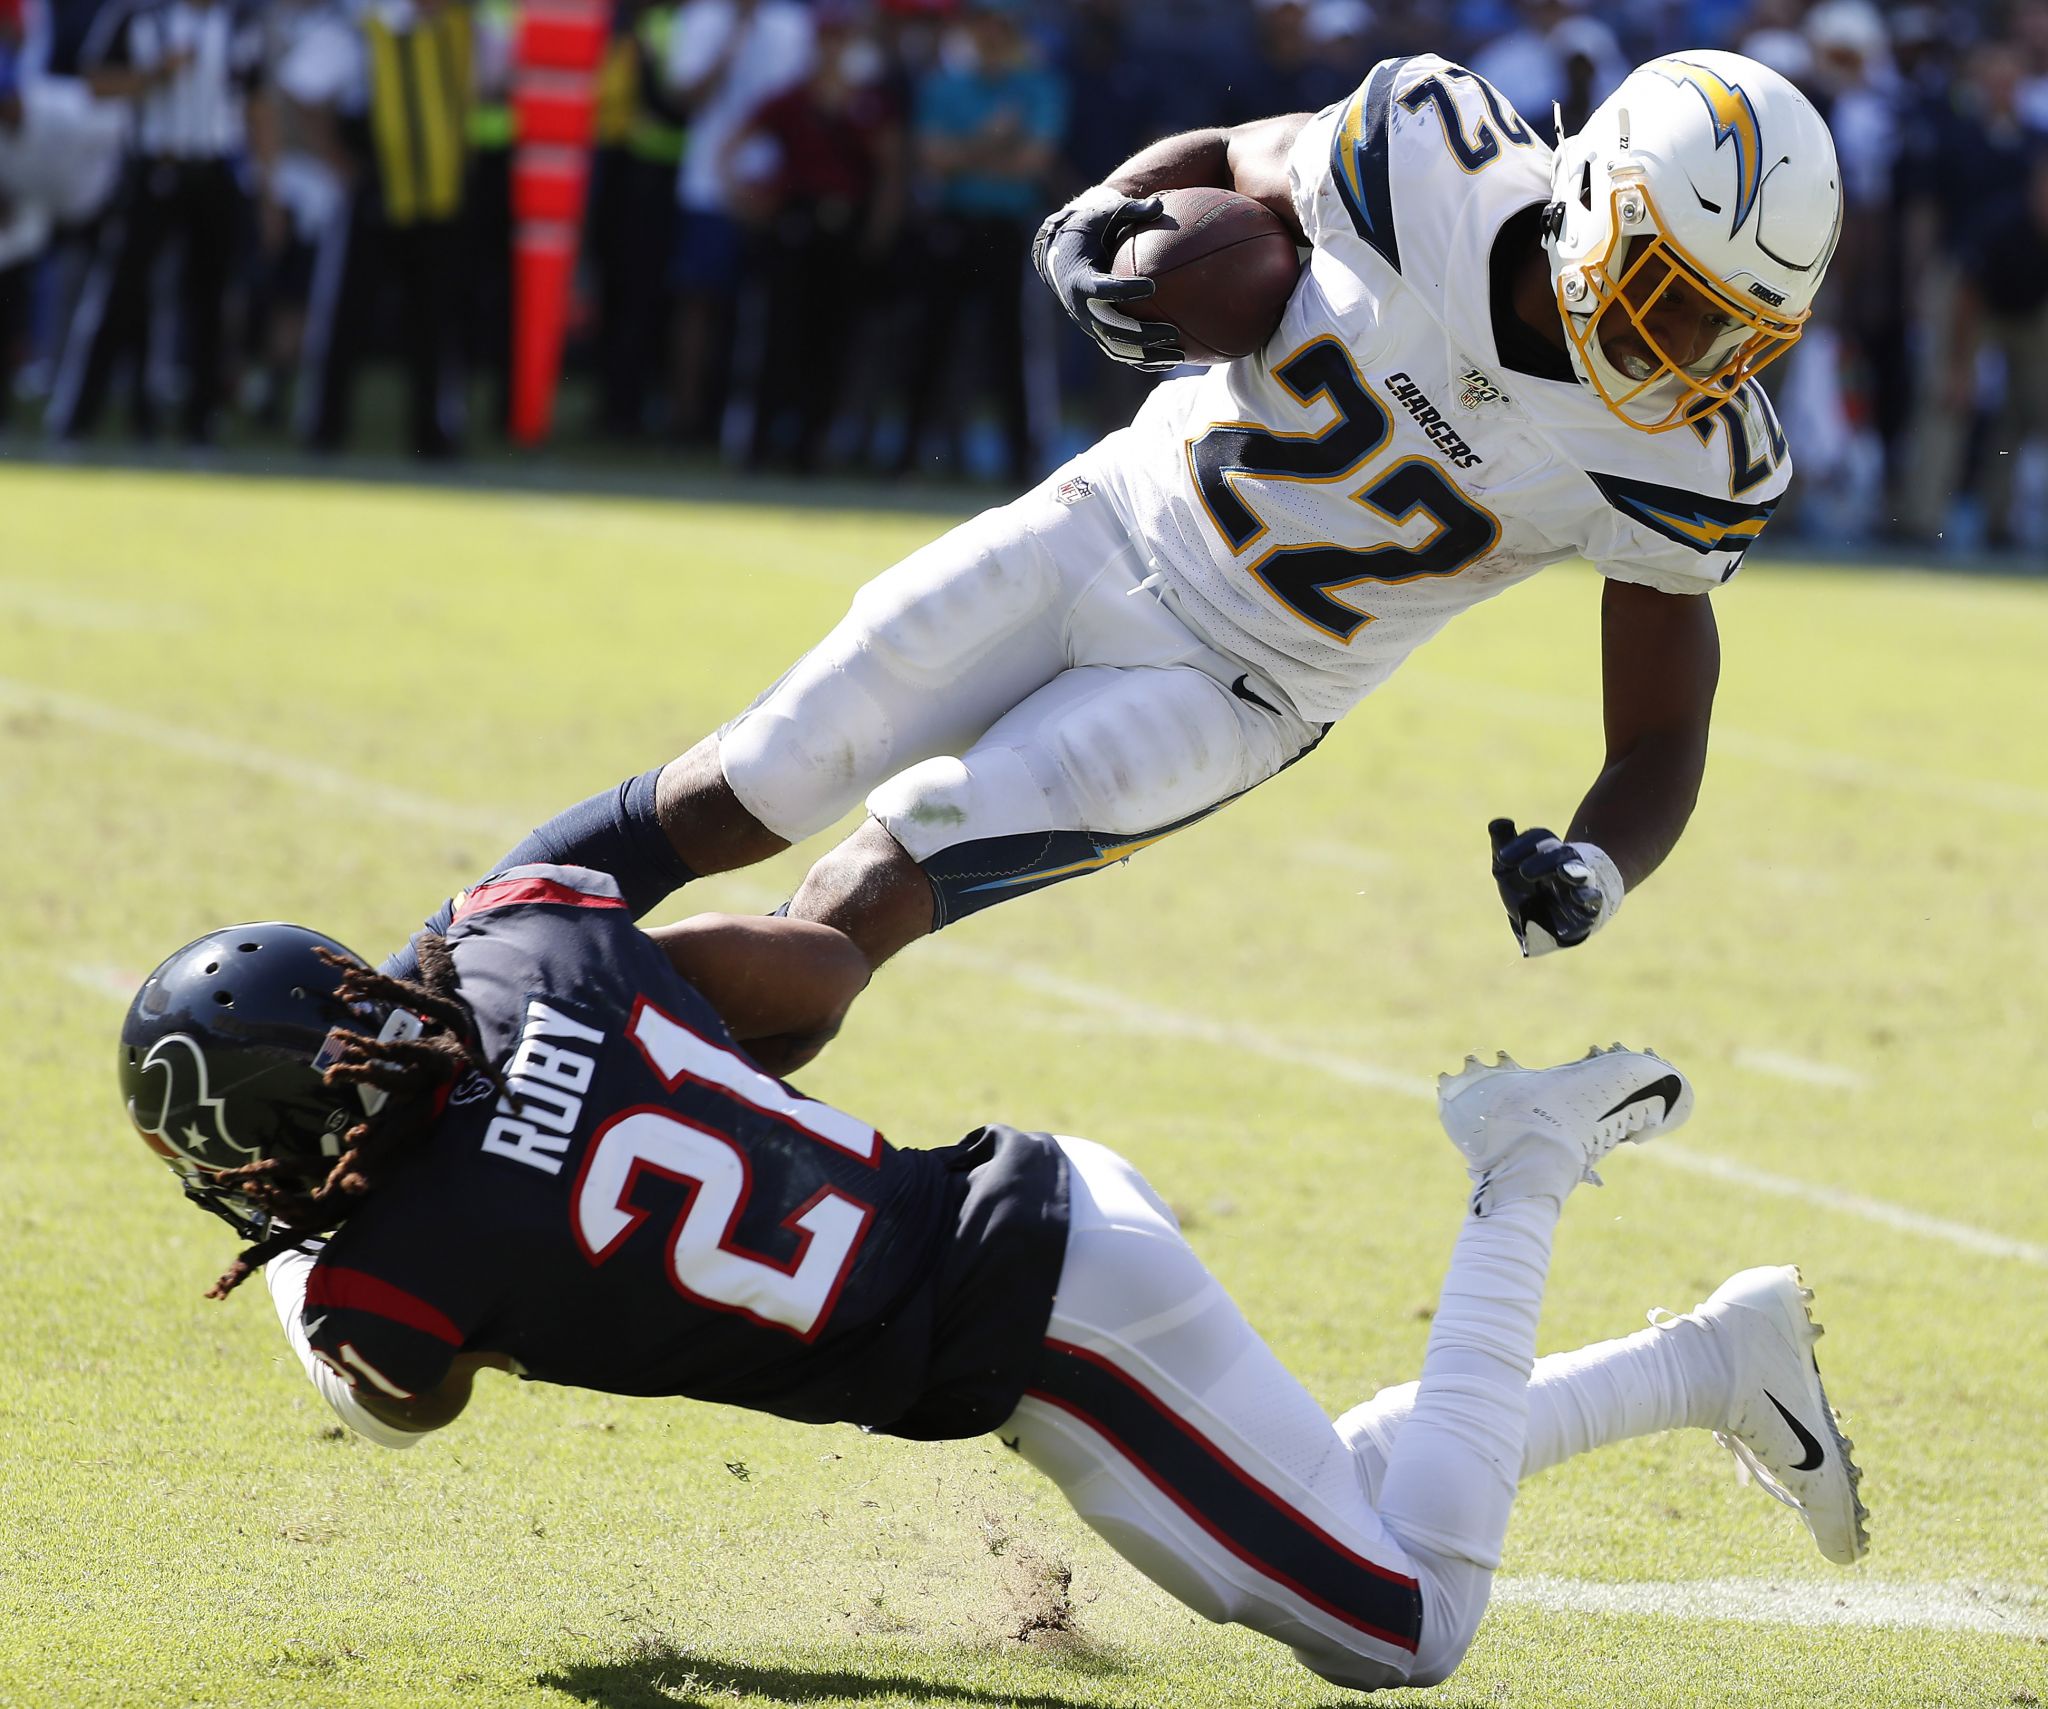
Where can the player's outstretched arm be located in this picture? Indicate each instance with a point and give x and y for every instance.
(1660, 664)
(781, 986)
(616, 831)
(1661, 661)
(1074, 247)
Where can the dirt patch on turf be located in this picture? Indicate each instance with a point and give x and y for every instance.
(1037, 1586)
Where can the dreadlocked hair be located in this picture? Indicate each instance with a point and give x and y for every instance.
(409, 1070)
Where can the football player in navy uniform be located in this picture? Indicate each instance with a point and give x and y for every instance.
(545, 1141)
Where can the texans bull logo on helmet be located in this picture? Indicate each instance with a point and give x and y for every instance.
(187, 1121)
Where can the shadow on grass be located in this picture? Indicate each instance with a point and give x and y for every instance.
(663, 1677)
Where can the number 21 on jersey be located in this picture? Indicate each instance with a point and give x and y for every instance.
(705, 1262)
(1305, 577)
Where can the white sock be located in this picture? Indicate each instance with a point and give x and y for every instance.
(1451, 1474)
(1670, 1378)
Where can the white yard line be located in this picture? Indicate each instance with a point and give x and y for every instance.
(1129, 1015)
(101, 719)
(1935, 1606)
(1801, 1070)
(1961, 1234)
(1149, 1019)
(1100, 1001)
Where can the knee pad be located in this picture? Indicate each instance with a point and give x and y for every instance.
(1368, 1431)
(941, 803)
(796, 774)
(981, 834)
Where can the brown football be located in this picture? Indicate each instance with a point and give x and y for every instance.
(1224, 265)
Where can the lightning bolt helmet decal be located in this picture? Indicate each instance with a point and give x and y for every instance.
(1735, 121)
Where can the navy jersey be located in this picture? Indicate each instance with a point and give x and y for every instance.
(645, 1212)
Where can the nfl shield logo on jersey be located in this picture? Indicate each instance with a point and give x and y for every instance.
(1474, 389)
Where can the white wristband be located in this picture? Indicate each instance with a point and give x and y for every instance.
(1606, 876)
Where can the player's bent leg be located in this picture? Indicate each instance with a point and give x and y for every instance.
(1099, 763)
(1186, 1444)
(1740, 1365)
(1592, 1397)
(1528, 1138)
(871, 890)
(932, 652)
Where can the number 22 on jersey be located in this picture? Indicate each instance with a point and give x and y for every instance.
(704, 1260)
(1305, 577)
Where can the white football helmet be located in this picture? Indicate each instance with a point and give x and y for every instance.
(1690, 224)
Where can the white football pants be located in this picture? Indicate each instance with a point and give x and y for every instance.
(1017, 702)
(1368, 1546)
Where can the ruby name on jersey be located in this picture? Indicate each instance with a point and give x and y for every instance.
(545, 1085)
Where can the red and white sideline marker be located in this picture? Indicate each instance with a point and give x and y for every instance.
(555, 62)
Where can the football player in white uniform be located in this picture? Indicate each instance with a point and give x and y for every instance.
(1497, 356)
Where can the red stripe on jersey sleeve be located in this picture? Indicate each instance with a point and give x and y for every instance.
(357, 1290)
(510, 892)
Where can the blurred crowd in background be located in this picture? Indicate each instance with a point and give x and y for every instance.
(807, 240)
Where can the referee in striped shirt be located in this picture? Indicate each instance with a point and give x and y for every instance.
(188, 65)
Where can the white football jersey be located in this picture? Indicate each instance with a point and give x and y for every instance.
(1321, 508)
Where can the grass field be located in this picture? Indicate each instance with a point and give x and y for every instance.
(224, 700)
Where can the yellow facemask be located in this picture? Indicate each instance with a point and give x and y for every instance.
(1652, 320)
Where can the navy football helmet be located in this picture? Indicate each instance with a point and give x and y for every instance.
(223, 1057)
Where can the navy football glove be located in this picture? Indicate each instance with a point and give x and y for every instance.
(1072, 253)
(1557, 894)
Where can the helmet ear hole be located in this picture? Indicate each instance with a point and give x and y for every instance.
(1586, 186)
(226, 999)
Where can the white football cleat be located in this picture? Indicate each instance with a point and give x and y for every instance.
(1579, 1111)
(1780, 1427)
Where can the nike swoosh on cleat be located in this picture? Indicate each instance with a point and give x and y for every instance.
(1669, 1088)
(1807, 1439)
(313, 1325)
